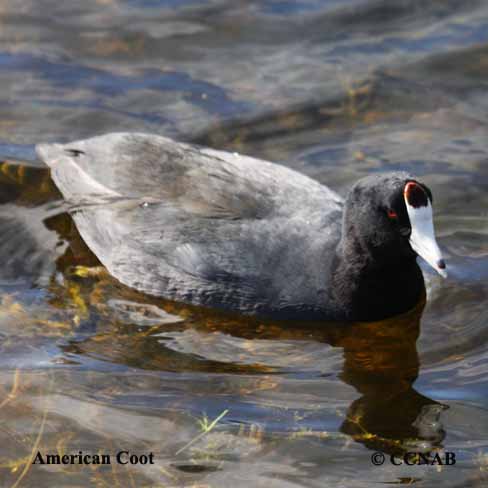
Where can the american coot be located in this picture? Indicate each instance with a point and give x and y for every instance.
(218, 229)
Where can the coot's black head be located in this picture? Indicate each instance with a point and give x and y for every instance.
(388, 217)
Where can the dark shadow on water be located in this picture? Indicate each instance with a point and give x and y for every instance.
(379, 97)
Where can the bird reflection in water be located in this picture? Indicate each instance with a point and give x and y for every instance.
(382, 363)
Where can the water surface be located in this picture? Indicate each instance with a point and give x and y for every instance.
(335, 89)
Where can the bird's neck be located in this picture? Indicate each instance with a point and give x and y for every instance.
(372, 288)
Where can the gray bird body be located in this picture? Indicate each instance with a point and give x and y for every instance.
(202, 226)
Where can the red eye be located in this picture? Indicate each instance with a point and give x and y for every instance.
(392, 214)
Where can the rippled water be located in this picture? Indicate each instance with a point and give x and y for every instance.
(336, 89)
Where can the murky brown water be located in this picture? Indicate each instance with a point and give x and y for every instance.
(336, 89)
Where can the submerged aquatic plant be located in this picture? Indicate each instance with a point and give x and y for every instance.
(206, 426)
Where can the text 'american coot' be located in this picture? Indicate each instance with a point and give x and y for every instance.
(218, 229)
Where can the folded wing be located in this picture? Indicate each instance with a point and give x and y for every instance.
(198, 225)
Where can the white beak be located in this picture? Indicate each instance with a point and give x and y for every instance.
(422, 238)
